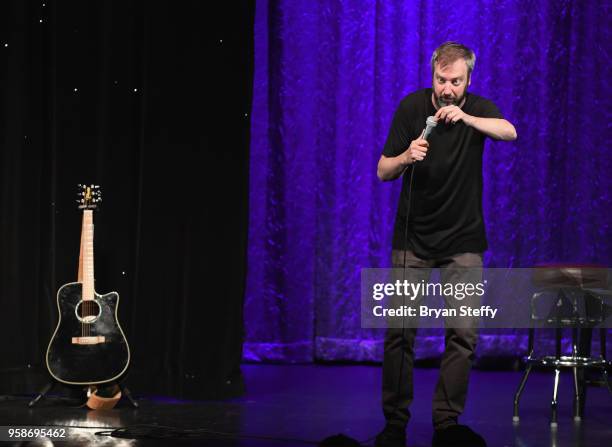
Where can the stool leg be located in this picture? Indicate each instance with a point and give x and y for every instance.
(553, 421)
(606, 379)
(126, 392)
(554, 403)
(577, 400)
(602, 344)
(517, 396)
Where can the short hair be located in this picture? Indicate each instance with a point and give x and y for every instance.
(449, 52)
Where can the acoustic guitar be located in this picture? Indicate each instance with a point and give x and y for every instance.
(88, 346)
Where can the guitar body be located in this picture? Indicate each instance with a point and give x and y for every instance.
(90, 349)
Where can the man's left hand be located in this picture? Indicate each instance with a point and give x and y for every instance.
(451, 114)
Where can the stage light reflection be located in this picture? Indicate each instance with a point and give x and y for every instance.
(83, 431)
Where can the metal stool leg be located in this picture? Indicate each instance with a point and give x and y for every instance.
(555, 402)
(577, 398)
(126, 392)
(604, 373)
(577, 393)
(517, 396)
(602, 343)
(48, 387)
(604, 376)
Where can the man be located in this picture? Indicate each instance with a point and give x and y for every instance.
(439, 223)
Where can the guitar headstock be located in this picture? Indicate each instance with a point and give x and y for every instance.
(88, 196)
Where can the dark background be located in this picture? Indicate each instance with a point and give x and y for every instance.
(159, 119)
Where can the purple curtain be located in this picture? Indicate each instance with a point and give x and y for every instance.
(328, 77)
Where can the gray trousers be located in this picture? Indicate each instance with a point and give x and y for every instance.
(460, 343)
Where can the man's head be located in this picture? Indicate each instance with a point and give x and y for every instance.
(451, 68)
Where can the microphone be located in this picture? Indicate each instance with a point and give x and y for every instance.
(429, 125)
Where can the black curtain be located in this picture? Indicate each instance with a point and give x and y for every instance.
(151, 101)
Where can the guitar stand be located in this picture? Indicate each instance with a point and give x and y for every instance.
(52, 383)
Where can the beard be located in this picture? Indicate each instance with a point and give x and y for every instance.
(450, 100)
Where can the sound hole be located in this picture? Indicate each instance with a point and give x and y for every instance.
(87, 311)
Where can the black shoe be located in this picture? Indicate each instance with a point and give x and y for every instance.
(457, 436)
(391, 436)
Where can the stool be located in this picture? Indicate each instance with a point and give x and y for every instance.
(579, 293)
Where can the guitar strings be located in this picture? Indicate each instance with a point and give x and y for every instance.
(87, 305)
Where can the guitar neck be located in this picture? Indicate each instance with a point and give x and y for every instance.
(86, 262)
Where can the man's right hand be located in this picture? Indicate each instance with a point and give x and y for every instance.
(416, 151)
(390, 168)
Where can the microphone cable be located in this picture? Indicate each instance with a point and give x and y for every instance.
(407, 217)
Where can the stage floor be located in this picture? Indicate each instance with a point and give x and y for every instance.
(295, 403)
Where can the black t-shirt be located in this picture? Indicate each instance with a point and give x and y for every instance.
(446, 204)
